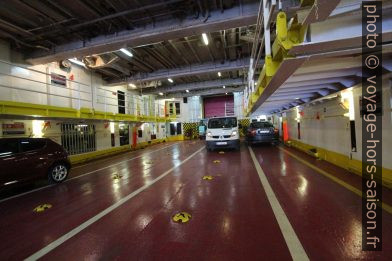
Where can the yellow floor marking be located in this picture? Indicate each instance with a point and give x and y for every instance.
(42, 208)
(353, 189)
(221, 152)
(208, 177)
(216, 161)
(117, 176)
(182, 217)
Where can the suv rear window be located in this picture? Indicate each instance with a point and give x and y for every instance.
(8, 147)
(217, 123)
(32, 144)
(261, 124)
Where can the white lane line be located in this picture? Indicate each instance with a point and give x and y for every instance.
(100, 215)
(85, 174)
(295, 247)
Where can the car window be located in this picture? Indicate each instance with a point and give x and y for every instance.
(217, 123)
(261, 124)
(8, 147)
(32, 144)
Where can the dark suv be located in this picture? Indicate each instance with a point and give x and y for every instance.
(27, 159)
(262, 131)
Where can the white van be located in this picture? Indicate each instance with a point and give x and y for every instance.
(222, 132)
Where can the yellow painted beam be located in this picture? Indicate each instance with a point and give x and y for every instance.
(40, 110)
(285, 39)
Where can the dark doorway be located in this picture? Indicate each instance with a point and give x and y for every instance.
(113, 139)
(172, 128)
(124, 134)
(353, 137)
(121, 102)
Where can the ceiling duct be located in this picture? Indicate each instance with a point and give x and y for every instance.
(104, 61)
(100, 61)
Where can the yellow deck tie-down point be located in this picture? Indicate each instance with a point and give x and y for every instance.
(221, 152)
(42, 208)
(117, 176)
(182, 217)
(216, 161)
(209, 177)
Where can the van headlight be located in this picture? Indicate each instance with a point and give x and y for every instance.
(209, 134)
(234, 133)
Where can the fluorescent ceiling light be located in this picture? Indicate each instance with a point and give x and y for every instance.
(219, 74)
(126, 52)
(76, 61)
(170, 80)
(297, 98)
(132, 85)
(226, 93)
(224, 86)
(187, 90)
(205, 38)
(161, 93)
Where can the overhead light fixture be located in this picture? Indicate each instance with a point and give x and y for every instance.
(133, 86)
(161, 93)
(126, 52)
(224, 86)
(219, 74)
(187, 90)
(170, 80)
(297, 98)
(226, 93)
(205, 38)
(76, 61)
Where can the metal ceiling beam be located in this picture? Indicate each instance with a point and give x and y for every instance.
(346, 81)
(196, 86)
(326, 74)
(192, 70)
(303, 90)
(243, 15)
(203, 92)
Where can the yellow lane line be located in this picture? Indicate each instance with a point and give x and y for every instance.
(385, 206)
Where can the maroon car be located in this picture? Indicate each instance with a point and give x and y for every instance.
(27, 159)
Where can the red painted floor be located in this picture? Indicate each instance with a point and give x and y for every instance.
(231, 216)
(325, 215)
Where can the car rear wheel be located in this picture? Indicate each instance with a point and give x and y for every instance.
(58, 173)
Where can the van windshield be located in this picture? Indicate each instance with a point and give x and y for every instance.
(217, 123)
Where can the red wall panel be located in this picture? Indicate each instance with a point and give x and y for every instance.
(215, 106)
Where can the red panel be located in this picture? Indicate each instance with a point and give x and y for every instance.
(215, 106)
(285, 132)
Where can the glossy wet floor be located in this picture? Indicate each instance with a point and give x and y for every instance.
(261, 204)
